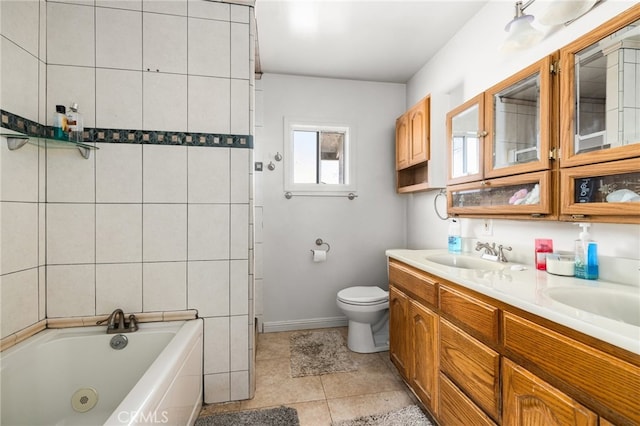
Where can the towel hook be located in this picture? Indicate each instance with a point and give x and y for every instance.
(319, 242)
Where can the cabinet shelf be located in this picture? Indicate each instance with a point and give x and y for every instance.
(18, 140)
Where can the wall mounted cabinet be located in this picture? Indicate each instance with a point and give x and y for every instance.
(599, 85)
(520, 195)
(584, 113)
(412, 147)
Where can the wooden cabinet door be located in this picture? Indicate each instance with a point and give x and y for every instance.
(423, 339)
(419, 128)
(530, 401)
(402, 142)
(398, 322)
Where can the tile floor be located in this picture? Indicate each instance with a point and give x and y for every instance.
(374, 388)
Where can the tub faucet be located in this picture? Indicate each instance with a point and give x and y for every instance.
(117, 324)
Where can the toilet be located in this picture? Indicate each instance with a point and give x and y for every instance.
(367, 308)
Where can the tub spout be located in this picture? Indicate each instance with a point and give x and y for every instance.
(117, 324)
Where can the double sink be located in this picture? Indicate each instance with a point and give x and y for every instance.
(614, 304)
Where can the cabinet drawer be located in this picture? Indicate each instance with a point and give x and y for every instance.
(414, 281)
(456, 409)
(474, 367)
(477, 316)
(613, 383)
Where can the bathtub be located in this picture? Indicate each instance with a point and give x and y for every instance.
(52, 377)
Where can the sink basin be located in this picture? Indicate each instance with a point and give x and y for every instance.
(609, 303)
(465, 262)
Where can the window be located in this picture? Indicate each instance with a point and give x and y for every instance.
(319, 157)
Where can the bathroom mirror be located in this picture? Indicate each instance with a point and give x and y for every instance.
(601, 95)
(464, 140)
(518, 122)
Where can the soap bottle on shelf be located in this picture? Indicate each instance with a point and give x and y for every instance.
(586, 260)
(60, 126)
(454, 239)
(75, 123)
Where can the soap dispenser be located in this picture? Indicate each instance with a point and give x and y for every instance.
(454, 240)
(586, 260)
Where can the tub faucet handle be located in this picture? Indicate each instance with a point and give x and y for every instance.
(133, 323)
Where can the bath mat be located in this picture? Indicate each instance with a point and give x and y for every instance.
(314, 353)
(281, 416)
(411, 415)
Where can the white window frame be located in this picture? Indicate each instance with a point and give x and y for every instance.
(293, 124)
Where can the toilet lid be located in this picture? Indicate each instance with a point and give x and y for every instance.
(363, 294)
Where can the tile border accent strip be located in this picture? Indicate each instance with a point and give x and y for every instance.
(152, 137)
(90, 321)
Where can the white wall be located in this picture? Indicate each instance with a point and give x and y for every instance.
(470, 63)
(298, 292)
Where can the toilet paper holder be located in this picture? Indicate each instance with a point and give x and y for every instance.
(319, 242)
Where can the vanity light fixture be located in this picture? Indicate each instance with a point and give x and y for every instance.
(521, 34)
(564, 12)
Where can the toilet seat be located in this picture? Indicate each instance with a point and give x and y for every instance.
(363, 295)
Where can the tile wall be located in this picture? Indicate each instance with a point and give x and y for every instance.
(623, 106)
(517, 124)
(142, 227)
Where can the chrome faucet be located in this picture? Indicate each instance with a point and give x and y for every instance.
(117, 324)
(488, 249)
(501, 256)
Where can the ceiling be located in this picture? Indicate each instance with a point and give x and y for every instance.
(372, 40)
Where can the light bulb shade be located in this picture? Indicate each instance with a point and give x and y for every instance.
(521, 34)
(561, 12)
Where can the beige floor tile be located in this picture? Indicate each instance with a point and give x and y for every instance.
(315, 413)
(372, 376)
(365, 405)
(273, 345)
(274, 385)
(225, 407)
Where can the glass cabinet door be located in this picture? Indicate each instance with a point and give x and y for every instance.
(464, 141)
(600, 94)
(610, 189)
(526, 194)
(518, 122)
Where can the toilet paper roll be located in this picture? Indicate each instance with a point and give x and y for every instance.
(319, 255)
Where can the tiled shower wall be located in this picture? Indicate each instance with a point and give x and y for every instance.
(142, 227)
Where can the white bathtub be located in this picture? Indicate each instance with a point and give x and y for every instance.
(155, 379)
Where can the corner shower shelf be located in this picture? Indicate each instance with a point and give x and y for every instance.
(18, 140)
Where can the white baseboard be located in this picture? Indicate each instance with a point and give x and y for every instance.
(305, 324)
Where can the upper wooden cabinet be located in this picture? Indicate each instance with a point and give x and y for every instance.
(599, 87)
(412, 136)
(465, 135)
(412, 147)
(517, 122)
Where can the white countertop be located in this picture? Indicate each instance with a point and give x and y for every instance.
(525, 290)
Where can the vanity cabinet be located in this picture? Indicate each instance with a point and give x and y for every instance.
(412, 147)
(475, 360)
(398, 330)
(528, 400)
(414, 348)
